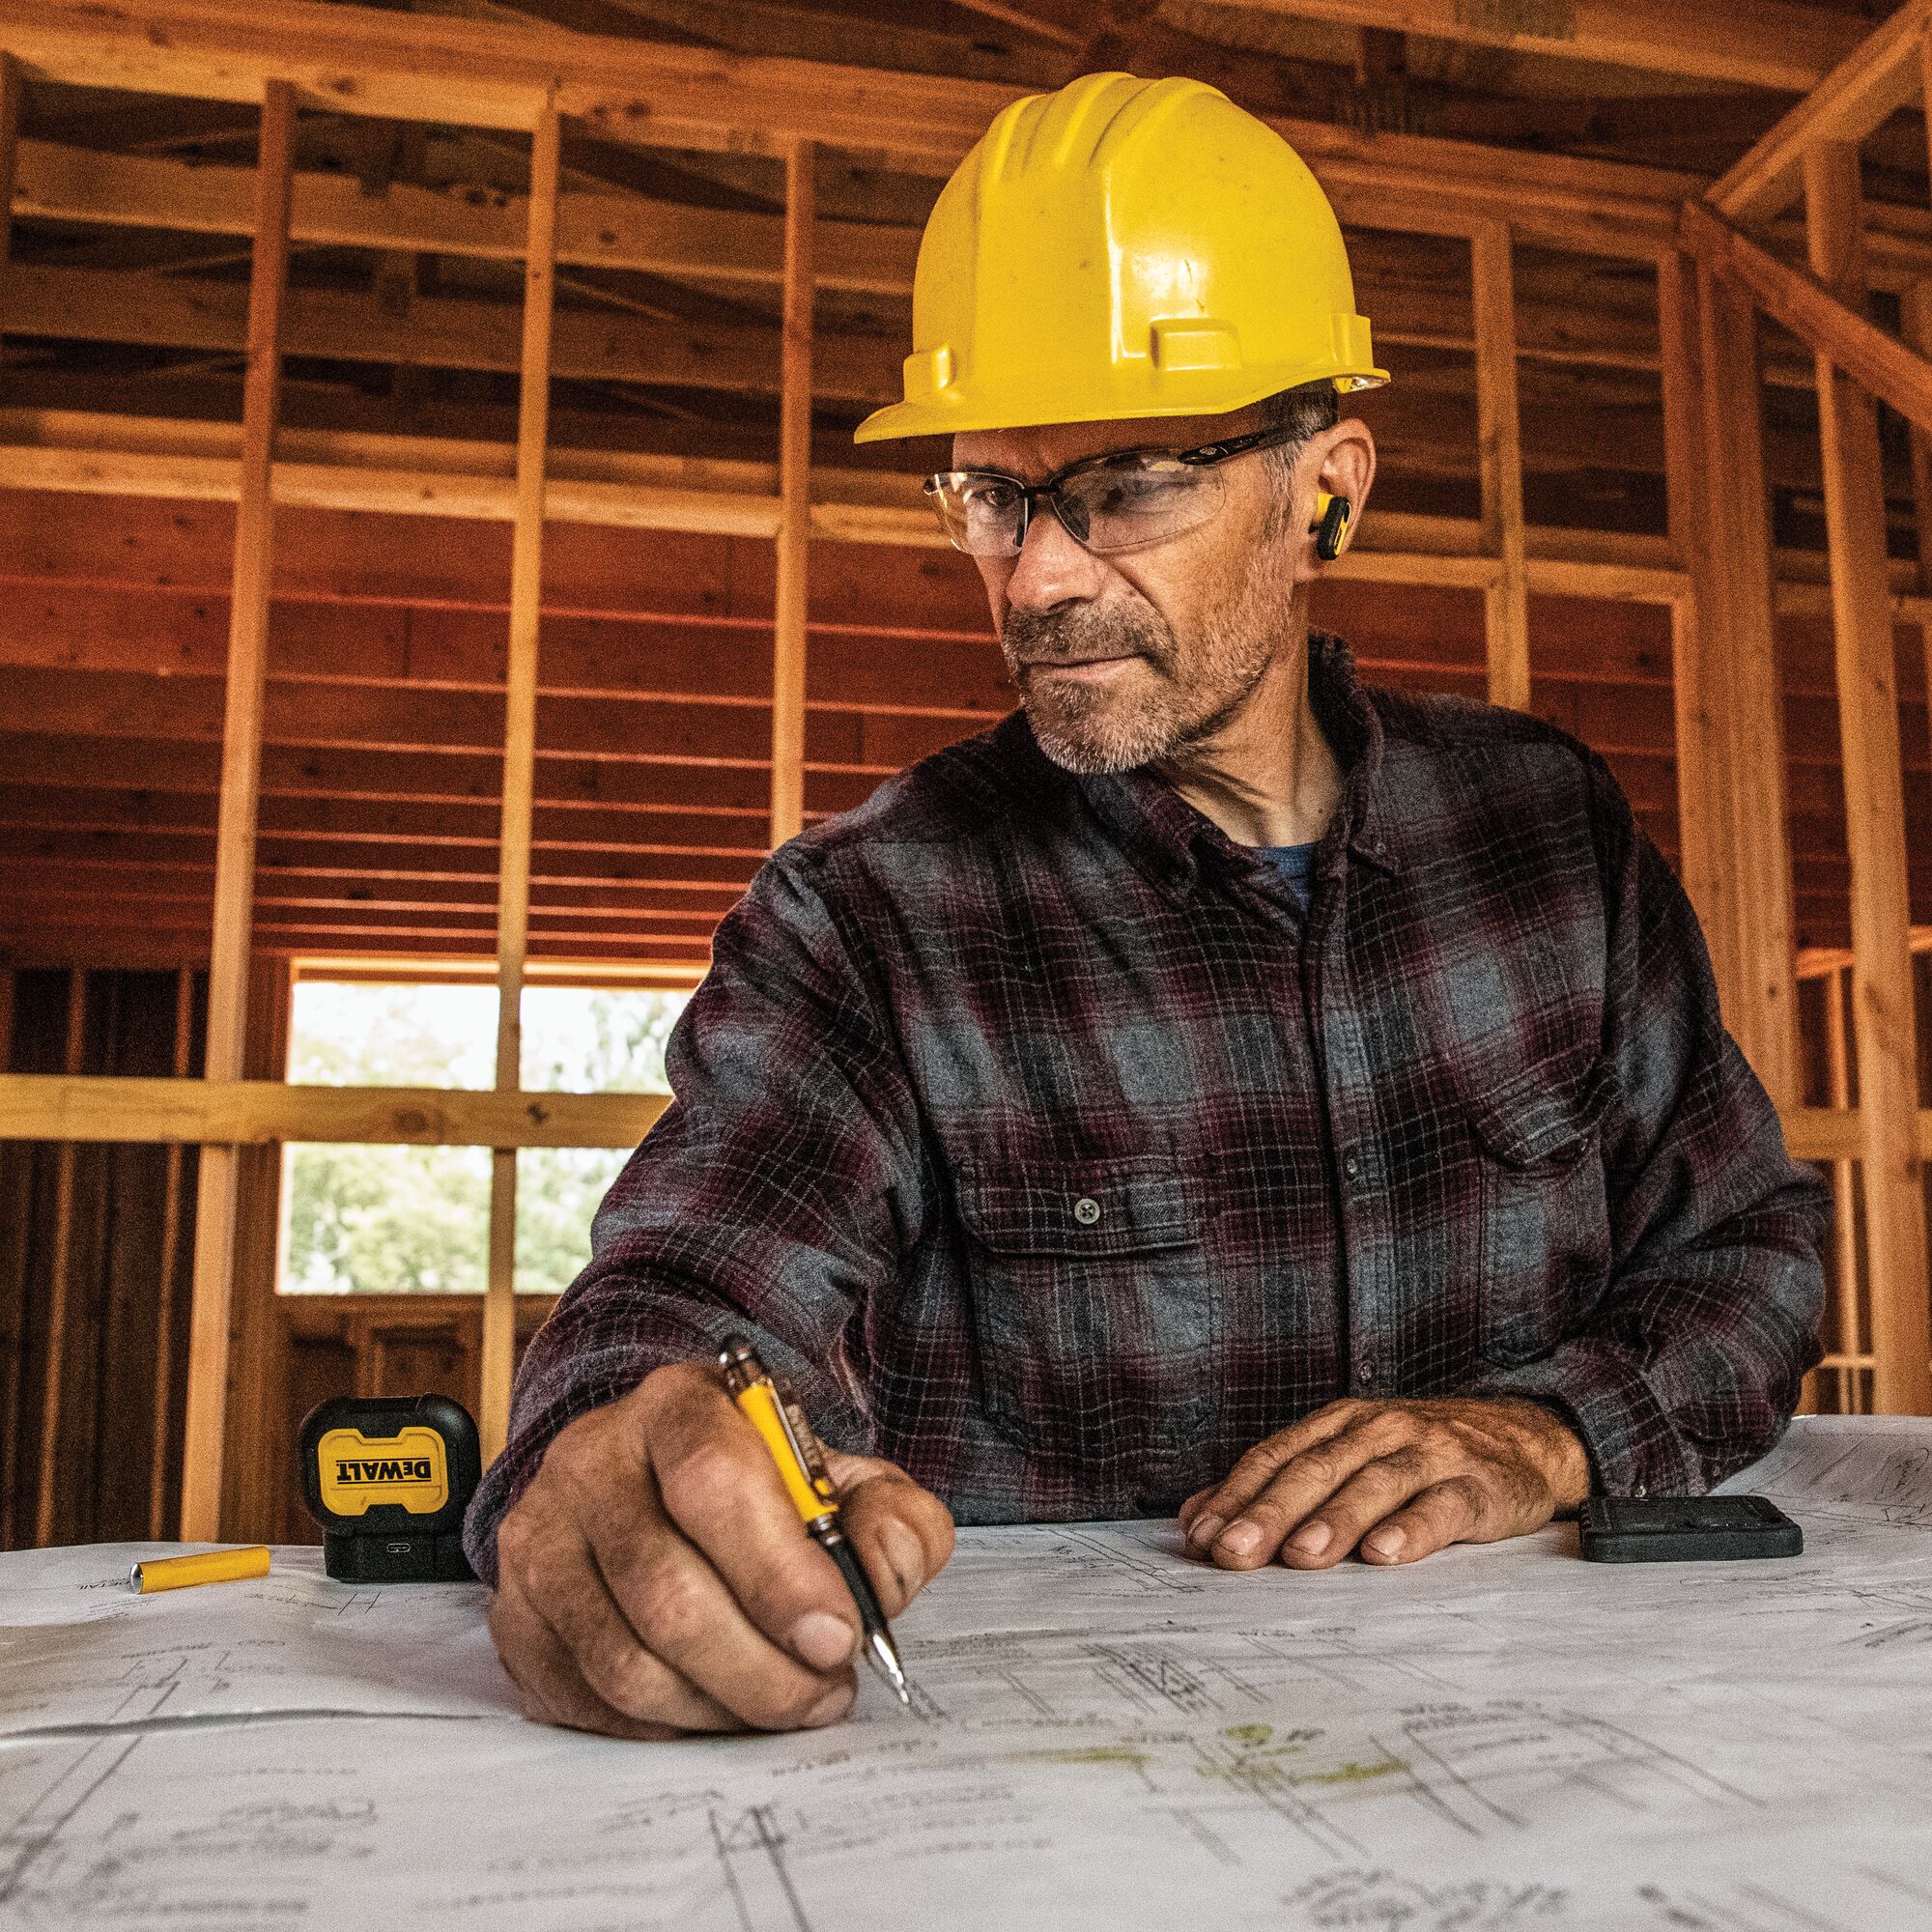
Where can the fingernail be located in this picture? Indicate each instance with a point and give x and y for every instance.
(1204, 1529)
(1384, 1543)
(1312, 1538)
(1242, 1539)
(903, 1552)
(832, 1706)
(823, 1640)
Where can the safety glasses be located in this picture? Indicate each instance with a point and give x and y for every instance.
(1112, 502)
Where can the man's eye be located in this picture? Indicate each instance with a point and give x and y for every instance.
(990, 495)
(1117, 492)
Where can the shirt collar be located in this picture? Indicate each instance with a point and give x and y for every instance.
(1171, 840)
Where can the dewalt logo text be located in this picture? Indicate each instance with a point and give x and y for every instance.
(417, 1469)
(408, 1470)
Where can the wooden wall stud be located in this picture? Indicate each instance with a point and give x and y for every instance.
(794, 534)
(216, 1192)
(1882, 978)
(520, 727)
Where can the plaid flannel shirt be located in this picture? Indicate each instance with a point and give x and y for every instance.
(1029, 1126)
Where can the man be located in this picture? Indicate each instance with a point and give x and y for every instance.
(1219, 1088)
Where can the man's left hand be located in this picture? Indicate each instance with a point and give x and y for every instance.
(1397, 1479)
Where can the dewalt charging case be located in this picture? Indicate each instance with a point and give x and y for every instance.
(389, 1480)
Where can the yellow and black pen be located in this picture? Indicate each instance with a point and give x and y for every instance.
(780, 1424)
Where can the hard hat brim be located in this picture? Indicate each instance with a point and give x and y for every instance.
(906, 419)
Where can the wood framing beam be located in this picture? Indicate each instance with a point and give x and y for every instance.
(1742, 693)
(794, 533)
(396, 476)
(359, 60)
(1886, 366)
(651, 236)
(1871, 80)
(167, 1267)
(218, 1191)
(1844, 1304)
(640, 233)
(1732, 753)
(1499, 457)
(356, 60)
(181, 312)
(257, 1113)
(668, 492)
(60, 1284)
(1776, 46)
(11, 146)
(1696, 633)
(520, 735)
(1882, 980)
(53, 1107)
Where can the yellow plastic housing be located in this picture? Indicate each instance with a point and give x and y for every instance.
(1125, 247)
(357, 1472)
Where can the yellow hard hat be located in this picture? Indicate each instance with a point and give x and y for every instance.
(1125, 247)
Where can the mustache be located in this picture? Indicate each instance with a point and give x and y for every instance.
(1082, 631)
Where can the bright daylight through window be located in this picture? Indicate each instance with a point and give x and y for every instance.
(407, 1220)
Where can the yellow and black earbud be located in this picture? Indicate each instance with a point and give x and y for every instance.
(1330, 527)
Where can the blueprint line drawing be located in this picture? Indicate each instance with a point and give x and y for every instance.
(1107, 1734)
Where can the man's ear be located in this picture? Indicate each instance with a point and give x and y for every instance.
(1345, 470)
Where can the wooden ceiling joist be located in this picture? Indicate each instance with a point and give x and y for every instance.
(1881, 74)
(413, 67)
(1804, 305)
(1763, 43)
(648, 234)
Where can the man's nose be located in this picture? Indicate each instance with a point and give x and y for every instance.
(1052, 568)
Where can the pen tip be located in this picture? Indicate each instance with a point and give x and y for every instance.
(886, 1660)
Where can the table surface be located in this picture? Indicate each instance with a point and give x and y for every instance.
(1105, 1734)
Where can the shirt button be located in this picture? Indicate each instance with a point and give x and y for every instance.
(1350, 1164)
(1085, 1210)
(1365, 1369)
(1641, 1491)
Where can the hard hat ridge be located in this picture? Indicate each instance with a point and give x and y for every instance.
(1121, 249)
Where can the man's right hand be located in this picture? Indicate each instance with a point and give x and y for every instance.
(655, 1579)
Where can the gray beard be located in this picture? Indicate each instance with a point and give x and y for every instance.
(1091, 732)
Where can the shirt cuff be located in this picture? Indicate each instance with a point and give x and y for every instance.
(1604, 1396)
(605, 1377)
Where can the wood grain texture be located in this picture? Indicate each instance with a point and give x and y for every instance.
(1500, 460)
(1882, 980)
(520, 730)
(794, 533)
(232, 943)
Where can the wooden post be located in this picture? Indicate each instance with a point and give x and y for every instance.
(1844, 1208)
(10, 148)
(167, 1261)
(519, 737)
(1696, 633)
(1882, 988)
(1742, 696)
(60, 1265)
(216, 1192)
(19, 1172)
(1499, 434)
(1916, 312)
(794, 501)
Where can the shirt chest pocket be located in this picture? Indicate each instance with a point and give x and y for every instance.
(1092, 1309)
(1544, 1231)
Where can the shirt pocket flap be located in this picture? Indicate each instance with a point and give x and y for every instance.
(1079, 1207)
(1533, 1119)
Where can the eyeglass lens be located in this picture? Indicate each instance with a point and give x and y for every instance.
(1111, 506)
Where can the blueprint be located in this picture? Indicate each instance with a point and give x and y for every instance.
(1105, 1734)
